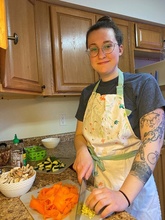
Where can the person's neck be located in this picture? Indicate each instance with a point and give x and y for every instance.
(109, 76)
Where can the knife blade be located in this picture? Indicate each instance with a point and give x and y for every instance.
(81, 199)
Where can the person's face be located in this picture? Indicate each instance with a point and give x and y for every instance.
(106, 64)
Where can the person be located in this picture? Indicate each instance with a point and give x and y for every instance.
(120, 130)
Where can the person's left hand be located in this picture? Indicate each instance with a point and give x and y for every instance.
(105, 201)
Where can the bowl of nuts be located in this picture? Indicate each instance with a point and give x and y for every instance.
(17, 181)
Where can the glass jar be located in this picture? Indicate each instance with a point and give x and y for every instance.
(16, 153)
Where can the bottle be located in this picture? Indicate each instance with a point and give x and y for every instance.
(162, 52)
(24, 161)
(16, 153)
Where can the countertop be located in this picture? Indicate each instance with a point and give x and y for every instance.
(13, 208)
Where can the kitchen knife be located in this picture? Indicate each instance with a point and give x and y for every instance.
(81, 199)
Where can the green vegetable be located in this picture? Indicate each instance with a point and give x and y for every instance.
(50, 164)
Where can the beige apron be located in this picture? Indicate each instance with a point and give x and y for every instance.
(113, 146)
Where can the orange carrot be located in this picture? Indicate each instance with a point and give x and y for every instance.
(55, 202)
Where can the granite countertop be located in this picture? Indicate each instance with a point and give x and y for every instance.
(13, 208)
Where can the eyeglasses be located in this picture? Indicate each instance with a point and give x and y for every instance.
(107, 48)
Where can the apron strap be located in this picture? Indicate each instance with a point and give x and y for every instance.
(120, 89)
(120, 83)
(98, 161)
(97, 84)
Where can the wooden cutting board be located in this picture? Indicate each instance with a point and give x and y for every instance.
(36, 216)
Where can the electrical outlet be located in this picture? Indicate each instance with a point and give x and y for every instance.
(62, 119)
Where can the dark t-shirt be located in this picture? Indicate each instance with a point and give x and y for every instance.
(141, 95)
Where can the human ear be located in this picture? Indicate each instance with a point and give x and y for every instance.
(121, 49)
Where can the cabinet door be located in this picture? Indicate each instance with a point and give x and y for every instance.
(126, 60)
(21, 68)
(3, 31)
(159, 174)
(126, 63)
(3, 35)
(71, 63)
(148, 36)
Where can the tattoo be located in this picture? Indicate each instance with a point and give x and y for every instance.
(153, 121)
(155, 124)
(155, 134)
(141, 152)
(153, 157)
(149, 119)
(141, 170)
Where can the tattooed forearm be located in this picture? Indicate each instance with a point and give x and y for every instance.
(140, 167)
(152, 127)
(155, 124)
(155, 134)
(141, 153)
(150, 119)
(153, 157)
(141, 170)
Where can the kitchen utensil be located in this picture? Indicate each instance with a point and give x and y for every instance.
(81, 199)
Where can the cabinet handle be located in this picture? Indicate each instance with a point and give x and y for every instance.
(14, 38)
(43, 87)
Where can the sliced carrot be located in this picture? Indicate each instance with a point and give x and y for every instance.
(55, 202)
(36, 204)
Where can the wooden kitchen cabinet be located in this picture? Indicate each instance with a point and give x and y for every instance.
(21, 74)
(3, 29)
(62, 35)
(126, 60)
(146, 43)
(63, 62)
(159, 174)
(3, 35)
(72, 69)
(163, 33)
(148, 36)
(51, 48)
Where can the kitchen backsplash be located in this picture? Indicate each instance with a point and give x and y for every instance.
(65, 137)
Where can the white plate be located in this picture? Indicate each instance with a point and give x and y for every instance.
(71, 216)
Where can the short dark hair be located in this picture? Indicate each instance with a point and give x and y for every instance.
(106, 22)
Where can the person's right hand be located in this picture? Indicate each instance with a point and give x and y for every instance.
(83, 164)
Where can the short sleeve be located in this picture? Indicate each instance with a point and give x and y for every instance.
(150, 96)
